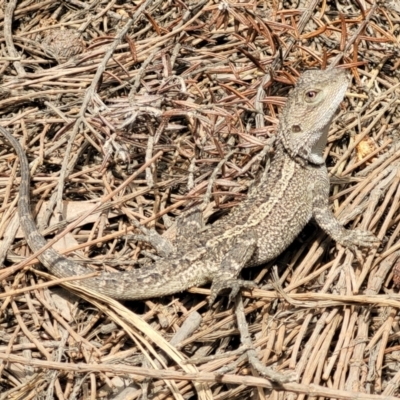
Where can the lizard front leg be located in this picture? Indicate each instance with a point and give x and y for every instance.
(329, 223)
(237, 256)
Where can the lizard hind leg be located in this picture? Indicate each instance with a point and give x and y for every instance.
(238, 255)
(162, 245)
(188, 224)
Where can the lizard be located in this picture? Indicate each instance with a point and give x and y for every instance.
(295, 190)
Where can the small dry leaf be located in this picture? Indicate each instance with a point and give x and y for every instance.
(396, 275)
(122, 13)
(364, 148)
(64, 301)
(62, 44)
(71, 209)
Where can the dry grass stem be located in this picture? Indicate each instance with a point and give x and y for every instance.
(132, 113)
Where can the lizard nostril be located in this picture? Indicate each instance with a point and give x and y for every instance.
(296, 128)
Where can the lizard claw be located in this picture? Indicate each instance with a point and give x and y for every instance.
(233, 284)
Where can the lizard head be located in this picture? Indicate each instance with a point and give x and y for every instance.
(308, 112)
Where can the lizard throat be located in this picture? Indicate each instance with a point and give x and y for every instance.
(317, 150)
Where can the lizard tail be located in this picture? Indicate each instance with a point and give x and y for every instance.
(135, 284)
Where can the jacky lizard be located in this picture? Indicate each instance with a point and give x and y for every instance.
(295, 190)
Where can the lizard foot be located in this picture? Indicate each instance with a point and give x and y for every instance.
(162, 245)
(357, 238)
(233, 284)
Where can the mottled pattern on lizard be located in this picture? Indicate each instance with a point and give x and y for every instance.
(295, 190)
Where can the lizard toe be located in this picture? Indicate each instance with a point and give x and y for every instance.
(359, 238)
(233, 284)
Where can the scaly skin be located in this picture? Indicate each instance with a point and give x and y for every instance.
(295, 190)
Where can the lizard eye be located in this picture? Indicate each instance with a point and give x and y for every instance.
(311, 95)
